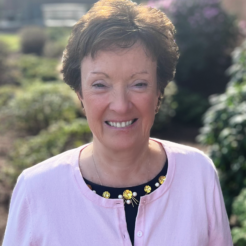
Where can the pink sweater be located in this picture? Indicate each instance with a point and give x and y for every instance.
(52, 206)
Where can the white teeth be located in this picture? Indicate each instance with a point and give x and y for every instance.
(120, 124)
(129, 122)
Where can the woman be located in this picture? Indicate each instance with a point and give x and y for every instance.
(123, 188)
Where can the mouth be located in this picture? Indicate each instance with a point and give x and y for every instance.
(121, 124)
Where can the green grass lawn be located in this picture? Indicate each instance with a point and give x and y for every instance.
(12, 40)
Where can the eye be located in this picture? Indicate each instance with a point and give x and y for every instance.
(140, 84)
(98, 85)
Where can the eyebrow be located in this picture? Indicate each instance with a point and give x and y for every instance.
(95, 72)
(132, 76)
(142, 72)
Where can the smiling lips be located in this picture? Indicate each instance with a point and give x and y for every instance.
(121, 124)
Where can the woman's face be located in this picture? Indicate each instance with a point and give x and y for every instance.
(119, 94)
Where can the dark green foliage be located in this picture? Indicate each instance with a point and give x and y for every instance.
(33, 67)
(40, 105)
(57, 138)
(33, 39)
(239, 209)
(238, 70)
(190, 107)
(225, 131)
(167, 109)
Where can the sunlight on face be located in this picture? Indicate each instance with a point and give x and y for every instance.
(119, 89)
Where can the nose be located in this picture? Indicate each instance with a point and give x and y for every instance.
(120, 101)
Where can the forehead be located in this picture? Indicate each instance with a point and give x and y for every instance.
(114, 58)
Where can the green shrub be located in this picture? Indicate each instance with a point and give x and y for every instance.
(167, 109)
(7, 92)
(53, 49)
(40, 105)
(3, 62)
(239, 236)
(57, 41)
(59, 137)
(12, 40)
(33, 67)
(8, 73)
(190, 106)
(224, 130)
(239, 209)
(238, 70)
(32, 39)
(58, 34)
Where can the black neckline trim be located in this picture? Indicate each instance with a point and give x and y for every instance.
(99, 188)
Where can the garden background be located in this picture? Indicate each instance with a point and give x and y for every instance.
(205, 105)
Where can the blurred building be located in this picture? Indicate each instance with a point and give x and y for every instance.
(62, 14)
(17, 13)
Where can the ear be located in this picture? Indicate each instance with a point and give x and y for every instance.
(81, 101)
(158, 96)
(79, 96)
(158, 104)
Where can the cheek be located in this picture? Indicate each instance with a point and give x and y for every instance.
(94, 118)
(148, 103)
(94, 107)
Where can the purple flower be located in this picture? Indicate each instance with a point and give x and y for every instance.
(210, 12)
(163, 4)
(242, 27)
(192, 21)
(212, 1)
(151, 4)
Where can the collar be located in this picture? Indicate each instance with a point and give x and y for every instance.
(114, 203)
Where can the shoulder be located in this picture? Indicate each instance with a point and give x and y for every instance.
(191, 169)
(188, 157)
(51, 180)
(51, 171)
(50, 164)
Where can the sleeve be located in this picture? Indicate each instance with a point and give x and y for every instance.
(219, 229)
(19, 226)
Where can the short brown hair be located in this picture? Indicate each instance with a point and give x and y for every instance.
(121, 23)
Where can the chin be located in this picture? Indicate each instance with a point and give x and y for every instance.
(122, 144)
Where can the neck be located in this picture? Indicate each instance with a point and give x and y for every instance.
(122, 168)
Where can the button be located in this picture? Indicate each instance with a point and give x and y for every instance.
(139, 234)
